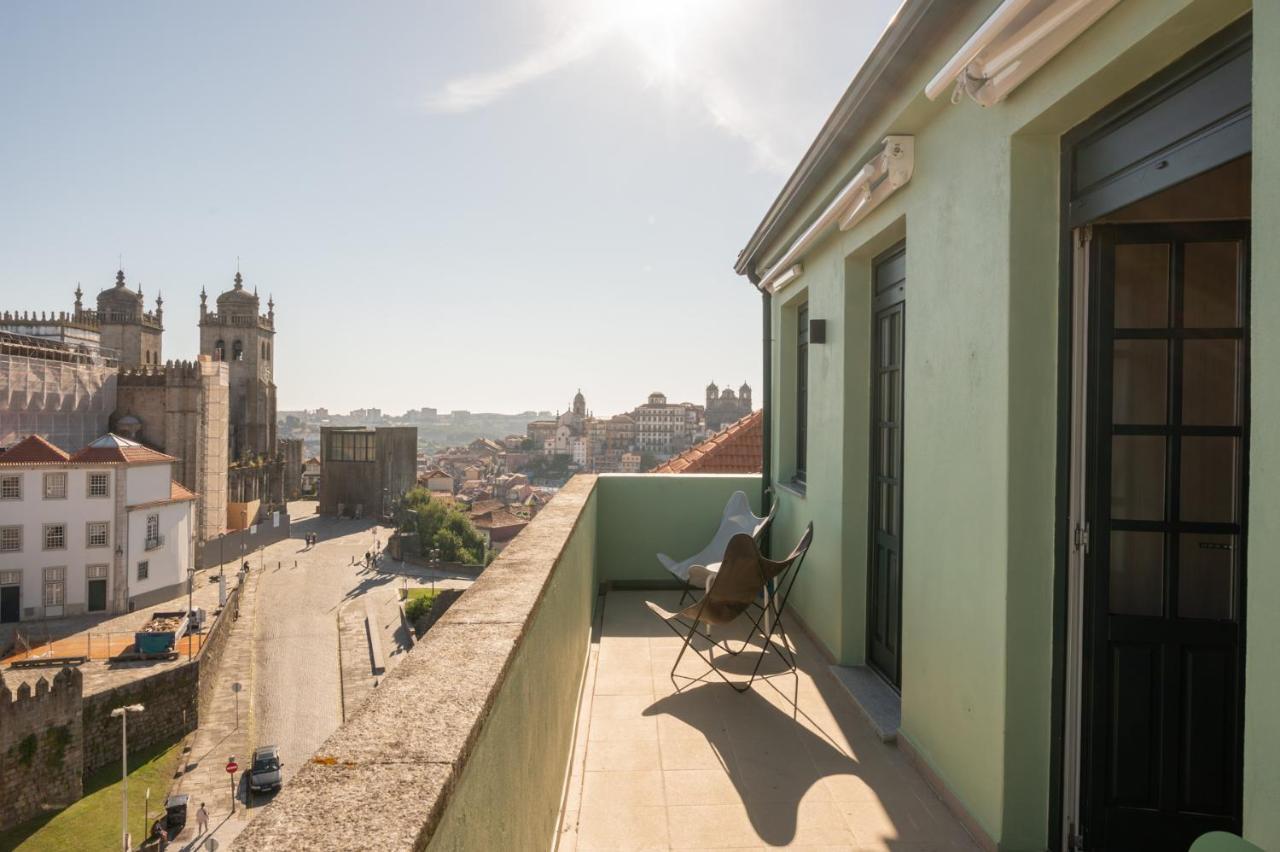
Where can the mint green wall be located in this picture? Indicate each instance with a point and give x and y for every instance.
(981, 220)
(1262, 670)
(646, 513)
(531, 723)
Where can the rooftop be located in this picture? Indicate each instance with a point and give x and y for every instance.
(113, 449)
(738, 448)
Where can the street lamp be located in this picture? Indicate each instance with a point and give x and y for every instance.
(123, 713)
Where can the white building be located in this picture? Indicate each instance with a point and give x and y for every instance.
(663, 428)
(103, 530)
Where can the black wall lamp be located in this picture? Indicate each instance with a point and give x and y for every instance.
(817, 331)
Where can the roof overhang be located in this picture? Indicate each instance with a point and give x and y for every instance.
(879, 177)
(908, 35)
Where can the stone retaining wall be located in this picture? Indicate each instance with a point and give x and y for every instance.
(172, 711)
(40, 747)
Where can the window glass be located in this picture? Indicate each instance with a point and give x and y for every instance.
(1138, 381)
(99, 485)
(11, 488)
(54, 586)
(98, 534)
(10, 539)
(1136, 582)
(55, 486)
(1210, 285)
(1206, 576)
(55, 536)
(144, 570)
(1137, 477)
(802, 391)
(1142, 285)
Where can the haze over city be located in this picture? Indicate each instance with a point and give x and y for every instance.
(471, 206)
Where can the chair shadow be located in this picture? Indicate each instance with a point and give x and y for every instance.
(773, 752)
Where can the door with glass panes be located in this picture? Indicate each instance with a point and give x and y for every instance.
(1167, 462)
(884, 569)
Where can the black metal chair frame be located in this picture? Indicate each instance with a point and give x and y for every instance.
(775, 606)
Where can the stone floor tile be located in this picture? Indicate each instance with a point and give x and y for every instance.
(622, 756)
(623, 828)
(626, 789)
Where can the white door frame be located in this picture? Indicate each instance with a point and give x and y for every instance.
(1077, 521)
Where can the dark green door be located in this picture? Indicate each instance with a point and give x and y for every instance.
(884, 587)
(10, 607)
(97, 595)
(1165, 568)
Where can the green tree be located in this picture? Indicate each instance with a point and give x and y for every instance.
(444, 527)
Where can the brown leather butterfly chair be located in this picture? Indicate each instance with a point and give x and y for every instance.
(741, 586)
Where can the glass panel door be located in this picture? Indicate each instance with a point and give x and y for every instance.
(884, 571)
(1168, 438)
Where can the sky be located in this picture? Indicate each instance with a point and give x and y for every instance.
(482, 205)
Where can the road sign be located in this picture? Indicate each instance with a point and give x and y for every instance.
(232, 766)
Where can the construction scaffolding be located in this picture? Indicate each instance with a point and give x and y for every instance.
(61, 391)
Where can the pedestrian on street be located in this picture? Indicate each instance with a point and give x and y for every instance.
(202, 820)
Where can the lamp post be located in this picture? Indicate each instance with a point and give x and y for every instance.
(123, 713)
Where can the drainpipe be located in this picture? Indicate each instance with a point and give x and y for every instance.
(766, 403)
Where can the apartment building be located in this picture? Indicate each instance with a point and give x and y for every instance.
(105, 529)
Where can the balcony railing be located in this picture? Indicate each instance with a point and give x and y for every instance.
(154, 542)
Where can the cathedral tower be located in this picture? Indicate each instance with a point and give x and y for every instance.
(245, 339)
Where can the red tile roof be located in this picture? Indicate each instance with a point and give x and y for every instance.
(34, 450)
(112, 449)
(178, 492)
(738, 448)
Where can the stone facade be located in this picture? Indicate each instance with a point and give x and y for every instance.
(245, 339)
(171, 699)
(126, 326)
(291, 454)
(725, 407)
(181, 409)
(41, 747)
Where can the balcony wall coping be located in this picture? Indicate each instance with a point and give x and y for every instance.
(384, 779)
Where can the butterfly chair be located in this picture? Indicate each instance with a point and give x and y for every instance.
(737, 588)
(737, 518)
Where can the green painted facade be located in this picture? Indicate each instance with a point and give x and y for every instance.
(981, 219)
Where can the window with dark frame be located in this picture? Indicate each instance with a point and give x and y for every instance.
(10, 539)
(802, 392)
(99, 485)
(144, 570)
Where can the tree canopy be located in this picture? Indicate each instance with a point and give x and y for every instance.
(445, 527)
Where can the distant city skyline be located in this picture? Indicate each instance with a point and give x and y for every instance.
(482, 204)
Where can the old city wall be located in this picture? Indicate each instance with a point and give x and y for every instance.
(41, 747)
(53, 736)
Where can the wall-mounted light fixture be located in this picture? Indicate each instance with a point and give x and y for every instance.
(817, 331)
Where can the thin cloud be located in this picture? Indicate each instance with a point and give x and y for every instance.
(687, 69)
(475, 91)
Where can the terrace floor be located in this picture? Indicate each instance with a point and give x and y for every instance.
(790, 763)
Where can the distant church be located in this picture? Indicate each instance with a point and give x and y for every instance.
(724, 407)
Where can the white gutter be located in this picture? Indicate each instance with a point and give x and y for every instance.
(1013, 57)
(892, 167)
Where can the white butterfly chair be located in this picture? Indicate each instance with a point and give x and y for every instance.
(699, 570)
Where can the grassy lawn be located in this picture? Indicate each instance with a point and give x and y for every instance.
(427, 593)
(93, 823)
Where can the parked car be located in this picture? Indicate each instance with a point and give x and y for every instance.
(264, 774)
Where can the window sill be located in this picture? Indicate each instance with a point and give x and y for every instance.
(794, 488)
